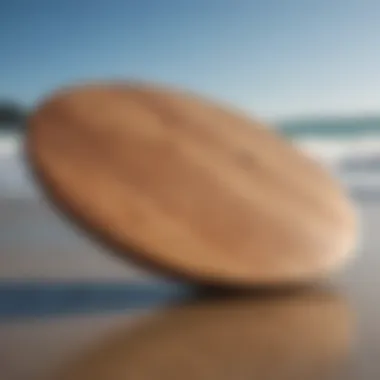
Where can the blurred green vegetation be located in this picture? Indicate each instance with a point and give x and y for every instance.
(12, 115)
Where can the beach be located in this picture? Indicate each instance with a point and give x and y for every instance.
(36, 242)
(61, 291)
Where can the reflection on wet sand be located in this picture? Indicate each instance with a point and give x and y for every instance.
(304, 336)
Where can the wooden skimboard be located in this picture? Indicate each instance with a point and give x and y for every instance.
(189, 186)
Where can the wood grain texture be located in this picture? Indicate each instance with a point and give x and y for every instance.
(190, 185)
(302, 337)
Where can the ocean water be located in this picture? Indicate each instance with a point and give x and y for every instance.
(349, 148)
(37, 242)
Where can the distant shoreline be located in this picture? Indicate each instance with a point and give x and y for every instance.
(297, 125)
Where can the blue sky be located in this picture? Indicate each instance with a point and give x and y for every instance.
(273, 58)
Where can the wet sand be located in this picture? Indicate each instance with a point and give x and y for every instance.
(37, 244)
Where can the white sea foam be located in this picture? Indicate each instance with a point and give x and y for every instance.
(9, 146)
(14, 178)
(333, 151)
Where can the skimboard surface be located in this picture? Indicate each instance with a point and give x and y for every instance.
(189, 185)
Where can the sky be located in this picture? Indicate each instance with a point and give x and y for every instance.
(272, 58)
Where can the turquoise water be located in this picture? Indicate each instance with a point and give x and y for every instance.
(352, 127)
